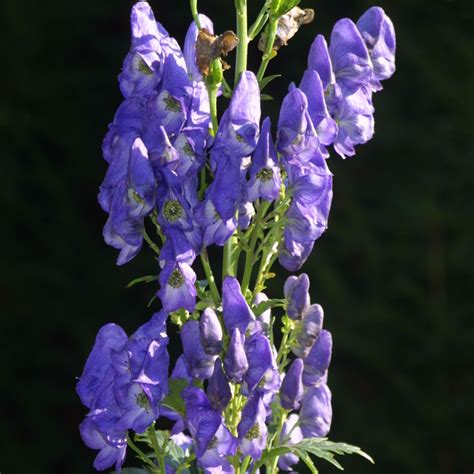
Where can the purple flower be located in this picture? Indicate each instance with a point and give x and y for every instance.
(349, 56)
(210, 331)
(236, 311)
(316, 412)
(291, 390)
(110, 338)
(260, 360)
(354, 117)
(293, 257)
(320, 61)
(98, 432)
(143, 66)
(290, 435)
(215, 459)
(218, 389)
(174, 211)
(378, 33)
(317, 362)
(202, 420)
(265, 179)
(177, 287)
(216, 230)
(324, 124)
(139, 402)
(309, 330)
(201, 364)
(238, 128)
(296, 132)
(297, 296)
(252, 429)
(235, 362)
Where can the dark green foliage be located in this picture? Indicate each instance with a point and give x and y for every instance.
(394, 272)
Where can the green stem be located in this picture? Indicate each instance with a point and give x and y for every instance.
(242, 47)
(210, 276)
(140, 453)
(159, 452)
(212, 91)
(258, 24)
(249, 252)
(268, 53)
(245, 464)
(194, 12)
(150, 242)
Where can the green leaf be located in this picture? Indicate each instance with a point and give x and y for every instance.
(174, 400)
(143, 279)
(265, 97)
(308, 461)
(325, 449)
(266, 80)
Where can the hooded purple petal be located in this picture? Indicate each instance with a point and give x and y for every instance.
(320, 61)
(252, 429)
(316, 412)
(235, 362)
(201, 364)
(350, 57)
(291, 391)
(309, 330)
(210, 331)
(297, 295)
(317, 362)
(109, 338)
(236, 311)
(218, 389)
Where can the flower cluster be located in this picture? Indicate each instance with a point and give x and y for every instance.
(233, 394)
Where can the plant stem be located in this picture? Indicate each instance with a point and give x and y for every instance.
(210, 276)
(249, 253)
(159, 452)
(268, 54)
(212, 92)
(140, 453)
(194, 12)
(242, 47)
(259, 23)
(150, 242)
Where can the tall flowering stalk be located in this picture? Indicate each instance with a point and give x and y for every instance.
(239, 399)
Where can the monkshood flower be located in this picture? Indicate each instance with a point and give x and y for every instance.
(143, 65)
(201, 364)
(252, 428)
(349, 56)
(210, 332)
(290, 434)
(265, 179)
(239, 126)
(236, 311)
(308, 330)
(297, 296)
(218, 389)
(98, 432)
(123, 381)
(316, 412)
(317, 362)
(235, 362)
(215, 458)
(178, 290)
(378, 32)
(292, 390)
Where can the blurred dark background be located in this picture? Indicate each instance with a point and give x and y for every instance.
(394, 272)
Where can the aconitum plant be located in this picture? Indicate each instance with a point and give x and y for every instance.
(240, 398)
